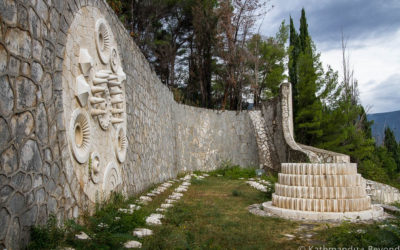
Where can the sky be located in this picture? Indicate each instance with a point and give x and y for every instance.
(372, 31)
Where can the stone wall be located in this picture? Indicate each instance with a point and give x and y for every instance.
(39, 175)
(206, 138)
(382, 193)
(278, 117)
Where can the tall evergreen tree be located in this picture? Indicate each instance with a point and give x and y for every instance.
(304, 38)
(305, 65)
(293, 54)
(294, 50)
(309, 111)
(391, 145)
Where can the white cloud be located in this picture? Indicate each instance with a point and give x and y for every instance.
(373, 42)
(383, 96)
(374, 61)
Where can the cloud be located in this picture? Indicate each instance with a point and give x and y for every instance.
(359, 19)
(383, 97)
(372, 31)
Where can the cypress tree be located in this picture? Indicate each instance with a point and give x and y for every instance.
(391, 145)
(293, 54)
(304, 39)
(309, 110)
(307, 106)
(294, 49)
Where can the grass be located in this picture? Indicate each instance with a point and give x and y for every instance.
(233, 172)
(107, 227)
(383, 235)
(213, 215)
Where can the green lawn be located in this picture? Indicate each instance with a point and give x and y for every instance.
(213, 215)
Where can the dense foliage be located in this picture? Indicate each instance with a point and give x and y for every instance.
(377, 235)
(207, 51)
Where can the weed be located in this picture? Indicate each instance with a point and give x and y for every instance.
(104, 230)
(236, 193)
(384, 234)
(396, 204)
(179, 214)
(48, 236)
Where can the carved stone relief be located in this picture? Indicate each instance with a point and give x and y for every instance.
(112, 178)
(94, 104)
(80, 135)
(121, 144)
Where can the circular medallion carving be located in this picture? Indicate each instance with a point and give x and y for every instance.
(103, 40)
(112, 178)
(122, 144)
(95, 167)
(97, 88)
(80, 135)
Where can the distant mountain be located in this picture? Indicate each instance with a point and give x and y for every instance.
(383, 120)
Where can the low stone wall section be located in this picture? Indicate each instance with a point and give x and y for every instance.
(382, 193)
(207, 138)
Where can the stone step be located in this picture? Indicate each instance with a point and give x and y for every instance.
(320, 180)
(322, 205)
(319, 168)
(391, 209)
(320, 192)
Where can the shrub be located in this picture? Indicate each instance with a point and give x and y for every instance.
(379, 234)
(47, 237)
(104, 230)
(233, 171)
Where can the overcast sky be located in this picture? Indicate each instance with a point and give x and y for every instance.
(372, 30)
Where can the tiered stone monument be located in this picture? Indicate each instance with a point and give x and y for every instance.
(328, 188)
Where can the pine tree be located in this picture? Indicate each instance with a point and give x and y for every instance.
(267, 64)
(366, 125)
(391, 145)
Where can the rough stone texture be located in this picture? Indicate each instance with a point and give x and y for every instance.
(263, 139)
(205, 138)
(382, 193)
(26, 93)
(278, 117)
(6, 97)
